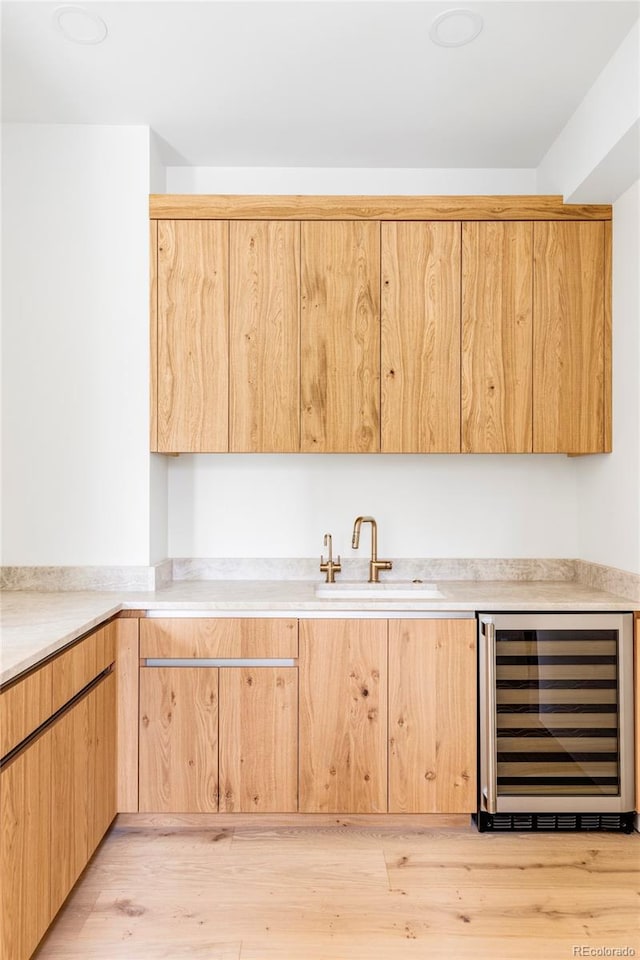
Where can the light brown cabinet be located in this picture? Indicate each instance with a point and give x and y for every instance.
(387, 716)
(178, 739)
(57, 783)
(420, 337)
(497, 345)
(219, 737)
(432, 716)
(343, 716)
(569, 338)
(258, 740)
(340, 337)
(25, 848)
(83, 784)
(192, 334)
(360, 325)
(264, 336)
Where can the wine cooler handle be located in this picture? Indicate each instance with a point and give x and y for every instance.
(489, 630)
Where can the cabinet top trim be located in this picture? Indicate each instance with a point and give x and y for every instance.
(236, 207)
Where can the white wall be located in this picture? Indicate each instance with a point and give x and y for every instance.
(75, 345)
(158, 474)
(596, 157)
(427, 506)
(609, 486)
(320, 180)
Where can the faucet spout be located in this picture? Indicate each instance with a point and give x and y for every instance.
(375, 565)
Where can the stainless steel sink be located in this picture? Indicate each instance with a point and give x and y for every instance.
(385, 590)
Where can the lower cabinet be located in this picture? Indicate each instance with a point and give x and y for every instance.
(258, 740)
(58, 796)
(421, 757)
(432, 716)
(25, 800)
(343, 716)
(379, 715)
(218, 739)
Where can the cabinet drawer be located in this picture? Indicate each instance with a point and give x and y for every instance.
(23, 707)
(209, 637)
(78, 665)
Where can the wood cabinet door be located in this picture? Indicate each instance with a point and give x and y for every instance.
(340, 337)
(264, 336)
(497, 308)
(258, 753)
(420, 337)
(192, 336)
(72, 798)
(102, 760)
(432, 716)
(343, 716)
(218, 637)
(178, 740)
(25, 849)
(569, 337)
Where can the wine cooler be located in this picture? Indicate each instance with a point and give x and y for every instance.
(556, 721)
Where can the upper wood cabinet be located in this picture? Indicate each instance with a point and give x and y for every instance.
(264, 336)
(400, 325)
(569, 364)
(497, 317)
(340, 337)
(420, 337)
(192, 336)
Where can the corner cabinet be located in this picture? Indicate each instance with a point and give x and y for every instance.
(380, 324)
(57, 783)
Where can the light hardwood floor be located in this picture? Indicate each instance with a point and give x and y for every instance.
(373, 888)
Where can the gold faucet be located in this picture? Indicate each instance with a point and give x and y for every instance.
(375, 565)
(329, 566)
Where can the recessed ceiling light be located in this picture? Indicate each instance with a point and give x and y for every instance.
(79, 24)
(454, 28)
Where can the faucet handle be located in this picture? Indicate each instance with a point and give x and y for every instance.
(330, 567)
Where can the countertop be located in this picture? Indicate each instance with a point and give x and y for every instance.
(35, 625)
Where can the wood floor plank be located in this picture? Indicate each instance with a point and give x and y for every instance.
(333, 888)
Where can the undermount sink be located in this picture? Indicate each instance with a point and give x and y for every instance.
(385, 590)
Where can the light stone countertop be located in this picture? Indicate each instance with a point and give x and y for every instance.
(36, 625)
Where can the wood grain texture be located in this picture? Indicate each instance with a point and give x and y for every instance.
(420, 337)
(153, 336)
(340, 337)
(224, 637)
(102, 760)
(77, 666)
(568, 338)
(432, 716)
(23, 707)
(71, 797)
(343, 716)
(127, 665)
(347, 888)
(258, 756)
(193, 336)
(497, 320)
(178, 739)
(25, 852)
(234, 207)
(264, 337)
(607, 443)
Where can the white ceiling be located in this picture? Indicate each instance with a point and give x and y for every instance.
(328, 83)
